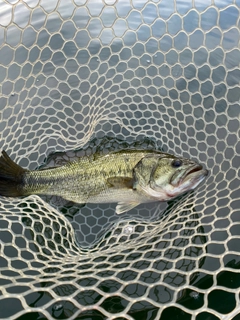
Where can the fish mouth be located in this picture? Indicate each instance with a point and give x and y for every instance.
(195, 173)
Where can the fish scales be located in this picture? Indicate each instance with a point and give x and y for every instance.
(82, 179)
(128, 177)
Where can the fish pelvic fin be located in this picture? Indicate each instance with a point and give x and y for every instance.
(11, 177)
(125, 206)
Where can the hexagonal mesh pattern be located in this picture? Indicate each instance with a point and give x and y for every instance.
(167, 70)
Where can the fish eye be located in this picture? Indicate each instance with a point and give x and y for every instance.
(176, 163)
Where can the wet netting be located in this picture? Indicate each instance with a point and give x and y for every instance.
(81, 76)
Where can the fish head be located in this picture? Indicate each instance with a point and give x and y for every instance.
(164, 177)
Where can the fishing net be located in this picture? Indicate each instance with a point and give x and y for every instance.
(81, 76)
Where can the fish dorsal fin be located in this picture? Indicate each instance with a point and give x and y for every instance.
(125, 206)
(120, 182)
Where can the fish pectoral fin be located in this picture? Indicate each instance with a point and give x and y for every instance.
(125, 206)
(120, 182)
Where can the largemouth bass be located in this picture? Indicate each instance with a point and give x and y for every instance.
(128, 177)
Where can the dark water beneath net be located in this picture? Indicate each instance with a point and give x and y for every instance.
(92, 222)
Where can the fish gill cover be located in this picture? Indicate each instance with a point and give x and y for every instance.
(166, 70)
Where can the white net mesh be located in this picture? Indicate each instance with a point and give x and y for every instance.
(167, 70)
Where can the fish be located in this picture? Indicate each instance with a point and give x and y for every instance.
(126, 177)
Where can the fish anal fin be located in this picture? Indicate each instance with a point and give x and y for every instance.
(120, 182)
(125, 206)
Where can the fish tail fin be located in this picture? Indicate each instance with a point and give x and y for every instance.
(11, 177)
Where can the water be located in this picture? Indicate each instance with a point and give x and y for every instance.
(163, 70)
